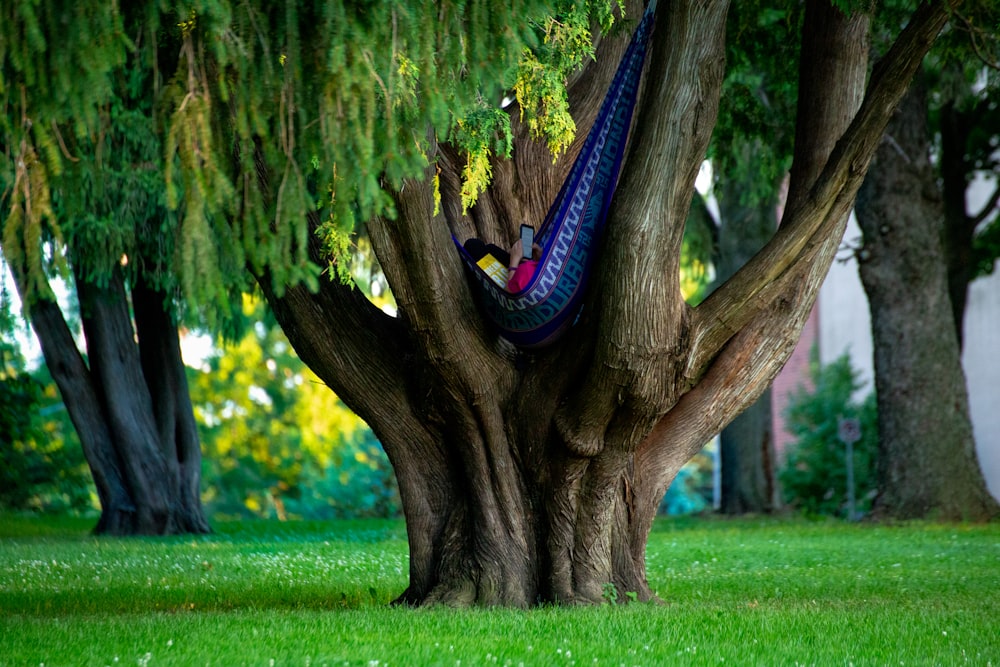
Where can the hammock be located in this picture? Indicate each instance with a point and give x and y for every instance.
(550, 303)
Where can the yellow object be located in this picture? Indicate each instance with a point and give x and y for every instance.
(494, 269)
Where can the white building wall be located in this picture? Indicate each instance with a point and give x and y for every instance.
(845, 321)
(981, 360)
(845, 324)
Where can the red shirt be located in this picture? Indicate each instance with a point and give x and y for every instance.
(522, 275)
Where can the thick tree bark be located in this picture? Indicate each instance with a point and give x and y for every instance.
(536, 476)
(114, 362)
(927, 459)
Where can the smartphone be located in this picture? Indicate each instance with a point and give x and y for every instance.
(527, 240)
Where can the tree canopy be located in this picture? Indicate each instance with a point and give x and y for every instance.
(139, 130)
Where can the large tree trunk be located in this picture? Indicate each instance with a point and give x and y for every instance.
(144, 455)
(927, 460)
(114, 362)
(536, 476)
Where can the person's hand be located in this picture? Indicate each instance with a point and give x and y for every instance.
(536, 251)
(516, 255)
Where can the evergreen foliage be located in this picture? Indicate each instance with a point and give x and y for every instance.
(814, 477)
(757, 108)
(202, 135)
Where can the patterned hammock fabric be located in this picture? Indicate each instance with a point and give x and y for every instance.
(551, 302)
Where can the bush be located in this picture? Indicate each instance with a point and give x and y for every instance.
(38, 469)
(359, 484)
(276, 442)
(814, 477)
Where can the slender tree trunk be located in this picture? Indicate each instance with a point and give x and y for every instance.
(927, 463)
(960, 227)
(746, 446)
(86, 410)
(958, 160)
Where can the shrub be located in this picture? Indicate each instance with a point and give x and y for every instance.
(814, 477)
(39, 469)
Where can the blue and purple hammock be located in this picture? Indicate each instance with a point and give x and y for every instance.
(550, 303)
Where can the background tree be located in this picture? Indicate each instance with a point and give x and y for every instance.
(41, 465)
(928, 457)
(920, 249)
(751, 152)
(83, 194)
(965, 118)
(522, 476)
(962, 131)
(113, 174)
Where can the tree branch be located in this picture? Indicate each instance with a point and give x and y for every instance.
(811, 209)
(427, 278)
(640, 313)
(988, 208)
(364, 358)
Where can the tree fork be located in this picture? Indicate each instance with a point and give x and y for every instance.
(115, 362)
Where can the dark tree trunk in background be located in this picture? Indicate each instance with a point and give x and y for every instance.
(957, 167)
(959, 227)
(84, 405)
(177, 431)
(144, 454)
(927, 460)
(746, 446)
(746, 451)
(114, 361)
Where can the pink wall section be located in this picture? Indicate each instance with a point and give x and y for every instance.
(794, 375)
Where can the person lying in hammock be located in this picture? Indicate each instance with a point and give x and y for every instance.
(520, 271)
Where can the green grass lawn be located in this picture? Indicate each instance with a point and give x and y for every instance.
(748, 592)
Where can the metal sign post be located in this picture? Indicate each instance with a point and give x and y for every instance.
(849, 432)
